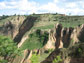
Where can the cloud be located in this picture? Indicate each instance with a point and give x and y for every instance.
(71, 5)
(29, 7)
(56, 1)
(2, 5)
(23, 6)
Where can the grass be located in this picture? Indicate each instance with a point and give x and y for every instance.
(38, 58)
(10, 18)
(43, 56)
(36, 40)
(31, 43)
(45, 27)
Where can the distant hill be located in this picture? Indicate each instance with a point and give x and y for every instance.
(50, 19)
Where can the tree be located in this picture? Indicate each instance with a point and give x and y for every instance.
(8, 49)
(56, 13)
(14, 14)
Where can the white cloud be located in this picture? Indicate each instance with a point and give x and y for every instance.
(29, 7)
(2, 5)
(72, 4)
(20, 5)
(51, 7)
(56, 1)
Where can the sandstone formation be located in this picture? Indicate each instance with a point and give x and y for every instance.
(8, 29)
(26, 26)
(11, 27)
(70, 39)
(60, 37)
(22, 41)
(69, 55)
(27, 56)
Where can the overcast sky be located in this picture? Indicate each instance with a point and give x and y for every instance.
(10, 7)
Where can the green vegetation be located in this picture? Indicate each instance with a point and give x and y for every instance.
(71, 43)
(45, 27)
(39, 58)
(36, 40)
(8, 49)
(57, 59)
(79, 52)
(50, 50)
(3, 61)
(35, 58)
(3, 17)
(47, 21)
(11, 18)
(43, 56)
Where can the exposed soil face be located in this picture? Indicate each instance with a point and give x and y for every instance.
(81, 35)
(69, 55)
(77, 60)
(70, 47)
(26, 26)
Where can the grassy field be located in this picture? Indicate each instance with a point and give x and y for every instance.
(36, 40)
(44, 20)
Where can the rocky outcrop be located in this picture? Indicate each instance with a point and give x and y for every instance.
(27, 55)
(57, 34)
(81, 34)
(68, 55)
(68, 40)
(25, 58)
(51, 41)
(22, 41)
(60, 37)
(26, 26)
(8, 29)
(72, 44)
(11, 27)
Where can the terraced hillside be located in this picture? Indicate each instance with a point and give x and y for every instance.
(25, 28)
(46, 21)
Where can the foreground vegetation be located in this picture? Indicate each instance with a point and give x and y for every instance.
(36, 40)
(8, 49)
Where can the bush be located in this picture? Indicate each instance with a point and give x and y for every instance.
(8, 49)
(50, 50)
(57, 59)
(35, 58)
(4, 17)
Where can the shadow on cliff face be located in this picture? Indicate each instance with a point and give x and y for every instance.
(81, 35)
(26, 26)
(72, 50)
(8, 29)
(74, 53)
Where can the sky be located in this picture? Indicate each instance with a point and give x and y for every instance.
(11, 7)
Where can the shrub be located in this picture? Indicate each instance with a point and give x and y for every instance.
(50, 50)
(35, 58)
(8, 49)
(57, 59)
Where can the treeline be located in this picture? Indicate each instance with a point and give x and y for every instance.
(3, 17)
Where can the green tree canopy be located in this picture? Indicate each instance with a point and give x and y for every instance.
(8, 48)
